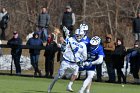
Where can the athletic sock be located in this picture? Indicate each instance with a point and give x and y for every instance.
(85, 84)
(70, 84)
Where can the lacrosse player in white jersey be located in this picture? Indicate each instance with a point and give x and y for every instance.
(74, 55)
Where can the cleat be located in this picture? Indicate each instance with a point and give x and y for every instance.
(80, 91)
(69, 89)
(87, 92)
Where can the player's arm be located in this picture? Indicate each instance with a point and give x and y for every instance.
(100, 57)
(98, 61)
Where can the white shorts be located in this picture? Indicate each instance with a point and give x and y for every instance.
(91, 74)
(68, 68)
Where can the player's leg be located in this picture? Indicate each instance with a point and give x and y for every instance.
(88, 88)
(87, 81)
(60, 74)
(52, 83)
(73, 77)
(69, 87)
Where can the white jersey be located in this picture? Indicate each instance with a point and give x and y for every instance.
(75, 51)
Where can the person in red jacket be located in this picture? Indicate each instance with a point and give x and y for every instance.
(50, 50)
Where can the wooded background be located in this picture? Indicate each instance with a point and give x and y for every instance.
(102, 16)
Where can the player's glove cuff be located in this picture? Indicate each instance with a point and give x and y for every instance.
(85, 63)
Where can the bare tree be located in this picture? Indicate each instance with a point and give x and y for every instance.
(102, 16)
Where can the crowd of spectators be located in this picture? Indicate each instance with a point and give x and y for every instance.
(115, 51)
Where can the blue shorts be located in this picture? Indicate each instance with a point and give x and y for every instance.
(88, 68)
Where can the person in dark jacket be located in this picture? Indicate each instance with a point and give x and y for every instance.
(133, 57)
(34, 53)
(4, 19)
(136, 26)
(43, 23)
(109, 47)
(118, 60)
(51, 49)
(16, 50)
(68, 20)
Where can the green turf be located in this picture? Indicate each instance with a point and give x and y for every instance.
(17, 84)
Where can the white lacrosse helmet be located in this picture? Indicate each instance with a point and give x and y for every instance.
(79, 34)
(95, 41)
(84, 27)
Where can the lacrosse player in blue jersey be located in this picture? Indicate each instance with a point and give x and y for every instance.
(95, 57)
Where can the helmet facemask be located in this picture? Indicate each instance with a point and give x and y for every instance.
(79, 34)
(79, 37)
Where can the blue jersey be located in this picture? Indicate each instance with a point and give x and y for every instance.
(86, 40)
(93, 54)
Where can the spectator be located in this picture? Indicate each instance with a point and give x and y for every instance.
(34, 53)
(109, 47)
(51, 49)
(118, 60)
(136, 26)
(43, 23)
(16, 50)
(68, 20)
(133, 57)
(4, 18)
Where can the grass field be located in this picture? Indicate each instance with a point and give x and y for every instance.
(17, 84)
